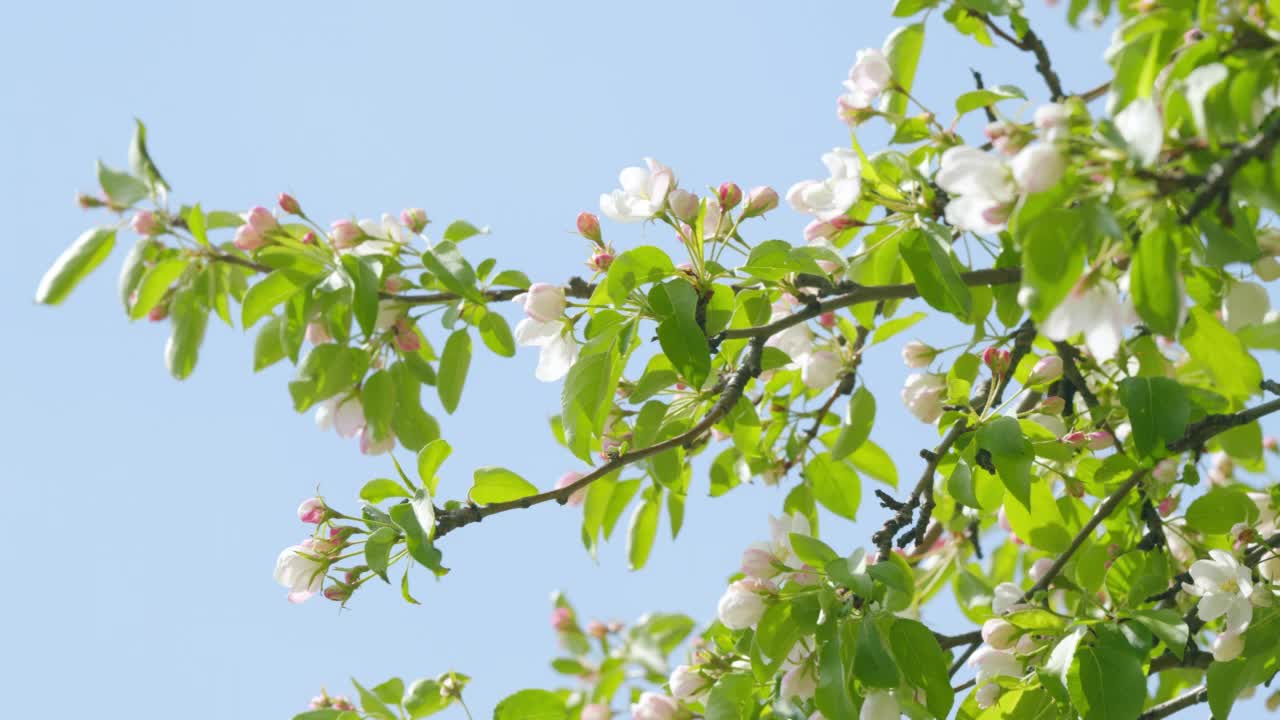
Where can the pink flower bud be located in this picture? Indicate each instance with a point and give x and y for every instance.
(318, 334)
(601, 260)
(1074, 439)
(562, 619)
(1046, 370)
(760, 201)
(261, 219)
(144, 223)
(312, 510)
(1052, 405)
(1270, 444)
(730, 195)
(589, 227)
(1100, 440)
(319, 702)
(395, 283)
(996, 359)
(289, 204)
(344, 233)
(248, 239)
(158, 313)
(309, 238)
(407, 339)
(341, 703)
(369, 446)
(597, 629)
(568, 479)
(1167, 506)
(414, 218)
(827, 320)
(1075, 488)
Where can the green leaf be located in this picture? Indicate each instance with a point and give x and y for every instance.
(371, 705)
(377, 549)
(895, 326)
(871, 459)
(641, 532)
(154, 284)
(835, 485)
(366, 286)
(1167, 625)
(636, 267)
(417, 539)
(902, 50)
(1235, 372)
(923, 663)
(960, 485)
(197, 224)
(1158, 411)
(937, 273)
(452, 270)
(974, 99)
(122, 189)
(1225, 681)
(1218, 510)
(1054, 675)
(268, 347)
(856, 427)
(1111, 682)
(460, 230)
(872, 663)
(811, 550)
(189, 318)
(452, 375)
(430, 458)
(496, 334)
(730, 698)
(378, 398)
(1039, 522)
(682, 340)
(1154, 282)
(832, 694)
(1012, 454)
(86, 253)
(1052, 258)
(140, 160)
(531, 705)
(587, 397)
(375, 491)
(131, 272)
(775, 259)
(262, 297)
(499, 485)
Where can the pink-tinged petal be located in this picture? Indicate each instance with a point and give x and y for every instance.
(298, 598)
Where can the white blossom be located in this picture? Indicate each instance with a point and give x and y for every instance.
(991, 663)
(1142, 128)
(999, 634)
(348, 419)
(299, 571)
(544, 302)
(1037, 167)
(1223, 586)
(686, 682)
(1227, 646)
(1098, 311)
(879, 705)
(741, 606)
(916, 355)
(923, 394)
(981, 187)
(869, 76)
(1246, 304)
(830, 198)
(799, 682)
(820, 369)
(558, 352)
(1005, 597)
(652, 706)
(643, 193)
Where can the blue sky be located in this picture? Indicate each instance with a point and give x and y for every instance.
(148, 512)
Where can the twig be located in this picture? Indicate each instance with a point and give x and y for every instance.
(748, 368)
(1218, 178)
(1030, 42)
(1169, 661)
(1198, 433)
(946, 642)
(986, 109)
(883, 538)
(1165, 709)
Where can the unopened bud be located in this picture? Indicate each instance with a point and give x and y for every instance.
(158, 313)
(313, 510)
(1270, 444)
(309, 238)
(683, 204)
(289, 204)
(996, 359)
(144, 223)
(344, 233)
(394, 283)
(562, 619)
(1052, 405)
(1100, 440)
(916, 354)
(1040, 568)
(827, 320)
(87, 202)
(407, 339)
(1074, 439)
(999, 634)
(597, 629)
(248, 239)
(341, 703)
(589, 227)
(260, 219)
(1046, 370)
(338, 592)
(1167, 506)
(414, 218)
(760, 201)
(730, 195)
(1075, 488)
(601, 260)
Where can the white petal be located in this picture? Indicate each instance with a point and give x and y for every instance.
(557, 356)
(531, 332)
(1142, 128)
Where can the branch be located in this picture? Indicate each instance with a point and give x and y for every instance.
(1198, 433)
(883, 538)
(748, 368)
(867, 293)
(1165, 709)
(1169, 661)
(1218, 178)
(946, 642)
(1031, 43)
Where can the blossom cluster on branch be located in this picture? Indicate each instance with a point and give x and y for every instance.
(1087, 502)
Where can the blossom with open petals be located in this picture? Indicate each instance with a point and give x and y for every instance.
(299, 570)
(923, 395)
(991, 663)
(653, 706)
(869, 76)
(643, 193)
(981, 187)
(558, 352)
(1098, 311)
(1142, 128)
(879, 705)
(1224, 587)
(830, 198)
